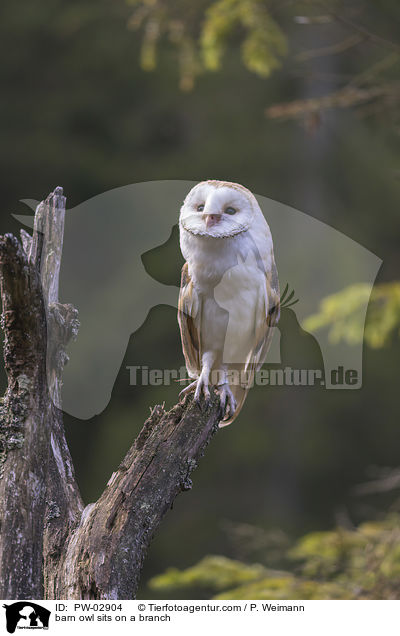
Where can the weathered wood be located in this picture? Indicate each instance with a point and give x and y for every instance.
(50, 546)
(104, 556)
(24, 430)
(37, 480)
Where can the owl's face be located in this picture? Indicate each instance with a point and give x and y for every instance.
(217, 209)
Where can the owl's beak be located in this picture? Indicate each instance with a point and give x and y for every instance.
(212, 219)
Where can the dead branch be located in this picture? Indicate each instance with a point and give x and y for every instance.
(50, 545)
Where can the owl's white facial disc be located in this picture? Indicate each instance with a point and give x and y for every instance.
(217, 210)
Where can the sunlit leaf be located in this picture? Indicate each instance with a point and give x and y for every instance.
(343, 314)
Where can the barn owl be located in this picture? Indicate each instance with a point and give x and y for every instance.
(229, 295)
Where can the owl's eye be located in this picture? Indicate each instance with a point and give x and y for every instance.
(200, 207)
(230, 210)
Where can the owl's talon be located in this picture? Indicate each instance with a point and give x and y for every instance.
(228, 402)
(188, 389)
(202, 388)
(222, 413)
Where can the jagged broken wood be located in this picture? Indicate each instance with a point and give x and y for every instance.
(51, 546)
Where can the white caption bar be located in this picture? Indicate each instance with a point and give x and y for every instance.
(150, 617)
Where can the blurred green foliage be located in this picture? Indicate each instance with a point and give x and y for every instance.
(212, 572)
(343, 314)
(263, 44)
(201, 33)
(363, 563)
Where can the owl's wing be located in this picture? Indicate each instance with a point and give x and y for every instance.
(266, 316)
(189, 313)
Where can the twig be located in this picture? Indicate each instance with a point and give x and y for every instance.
(344, 98)
(333, 49)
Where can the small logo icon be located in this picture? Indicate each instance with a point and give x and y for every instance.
(26, 615)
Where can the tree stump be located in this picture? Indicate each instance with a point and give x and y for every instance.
(51, 546)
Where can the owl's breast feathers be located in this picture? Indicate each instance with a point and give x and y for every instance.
(249, 298)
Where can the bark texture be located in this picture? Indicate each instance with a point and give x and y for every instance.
(37, 477)
(104, 556)
(50, 545)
